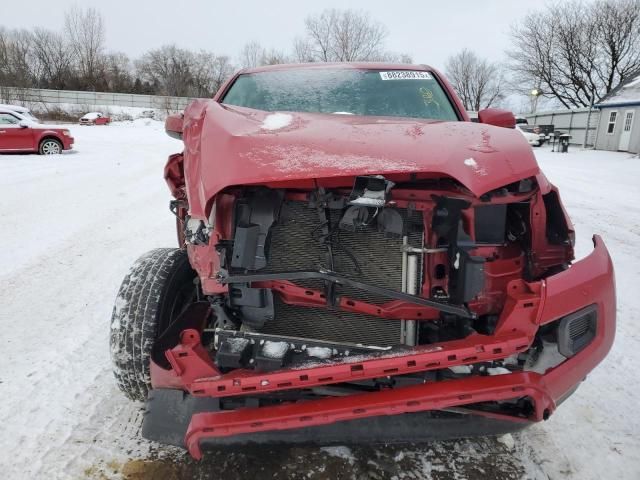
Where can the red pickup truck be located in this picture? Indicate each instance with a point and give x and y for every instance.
(357, 261)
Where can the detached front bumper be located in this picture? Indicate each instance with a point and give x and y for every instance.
(193, 385)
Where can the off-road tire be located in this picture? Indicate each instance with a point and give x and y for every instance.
(151, 295)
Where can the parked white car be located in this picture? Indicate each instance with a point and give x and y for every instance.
(23, 111)
(528, 131)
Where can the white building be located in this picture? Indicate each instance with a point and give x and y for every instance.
(619, 125)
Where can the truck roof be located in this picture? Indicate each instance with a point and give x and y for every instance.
(339, 65)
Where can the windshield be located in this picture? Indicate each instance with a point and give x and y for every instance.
(29, 116)
(398, 93)
(526, 128)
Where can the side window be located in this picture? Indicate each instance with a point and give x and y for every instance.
(611, 126)
(8, 119)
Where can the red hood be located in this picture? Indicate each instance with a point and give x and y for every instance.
(227, 146)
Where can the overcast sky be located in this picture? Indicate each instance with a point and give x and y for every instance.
(429, 31)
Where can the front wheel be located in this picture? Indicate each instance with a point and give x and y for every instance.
(50, 146)
(158, 287)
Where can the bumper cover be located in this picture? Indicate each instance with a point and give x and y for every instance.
(587, 282)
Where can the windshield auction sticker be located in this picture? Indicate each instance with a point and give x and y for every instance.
(405, 75)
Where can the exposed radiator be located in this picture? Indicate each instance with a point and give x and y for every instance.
(294, 245)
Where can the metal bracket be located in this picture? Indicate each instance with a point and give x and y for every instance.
(333, 277)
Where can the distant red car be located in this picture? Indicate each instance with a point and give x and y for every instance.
(95, 118)
(21, 134)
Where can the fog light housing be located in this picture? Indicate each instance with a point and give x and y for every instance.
(577, 330)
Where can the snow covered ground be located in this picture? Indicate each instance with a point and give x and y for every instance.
(72, 225)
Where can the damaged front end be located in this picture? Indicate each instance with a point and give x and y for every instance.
(400, 299)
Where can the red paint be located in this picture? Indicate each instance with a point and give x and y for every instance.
(497, 117)
(25, 135)
(100, 119)
(240, 152)
(419, 398)
(552, 298)
(473, 349)
(227, 148)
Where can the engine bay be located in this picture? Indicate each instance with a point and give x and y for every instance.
(323, 274)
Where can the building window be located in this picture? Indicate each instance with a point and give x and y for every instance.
(611, 126)
(627, 121)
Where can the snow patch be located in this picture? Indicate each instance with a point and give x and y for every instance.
(93, 423)
(470, 162)
(498, 371)
(237, 344)
(342, 452)
(460, 369)
(319, 352)
(507, 440)
(92, 115)
(276, 121)
(274, 349)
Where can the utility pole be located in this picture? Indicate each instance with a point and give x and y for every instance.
(586, 131)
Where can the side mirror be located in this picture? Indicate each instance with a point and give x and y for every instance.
(173, 125)
(24, 124)
(497, 117)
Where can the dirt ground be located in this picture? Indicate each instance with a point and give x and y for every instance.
(480, 459)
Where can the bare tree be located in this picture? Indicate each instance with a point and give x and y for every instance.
(223, 69)
(618, 27)
(117, 72)
(209, 72)
(393, 57)
(76, 58)
(254, 55)
(168, 67)
(579, 52)
(319, 35)
(356, 37)
(477, 81)
(85, 33)
(202, 68)
(251, 54)
(178, 72)
(342, 36)
(52, 59)
(16, 55)
(303, 51)
(274, 57)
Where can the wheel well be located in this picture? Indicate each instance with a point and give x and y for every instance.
(50, 137)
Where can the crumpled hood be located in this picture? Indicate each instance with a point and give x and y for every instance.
(227, 146)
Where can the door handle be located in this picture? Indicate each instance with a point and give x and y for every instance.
(3, 131)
